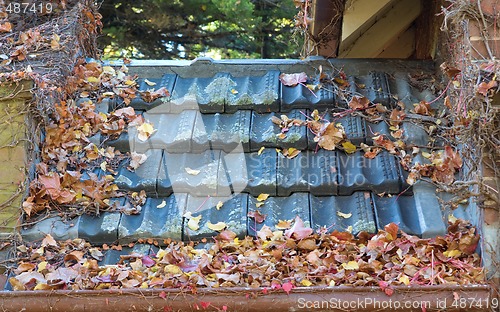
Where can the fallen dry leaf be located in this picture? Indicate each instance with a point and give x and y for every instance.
(136, 159)
(192, 171)
(344, 215)
(262, 197)
(349, 148)
(292, 80)
(257, 216)
(144, 131)
(358, 102)
(298, 230)
(219, 226)
(219, 205)
(330, 137)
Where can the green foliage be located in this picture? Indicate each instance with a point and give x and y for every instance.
(166, 29)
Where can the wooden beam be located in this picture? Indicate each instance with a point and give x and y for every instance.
(428, 24)
(393, 23)
(402, 47)
(326, 27)
(359, 16)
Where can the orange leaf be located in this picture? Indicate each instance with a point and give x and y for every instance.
(5, 27)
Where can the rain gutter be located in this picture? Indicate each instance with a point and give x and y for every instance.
(341, 298)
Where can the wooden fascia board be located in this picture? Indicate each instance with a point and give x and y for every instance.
(359, 16)
(392, 24)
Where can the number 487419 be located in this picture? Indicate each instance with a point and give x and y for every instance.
(27, 7)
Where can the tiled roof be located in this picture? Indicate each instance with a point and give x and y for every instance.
(217, 120)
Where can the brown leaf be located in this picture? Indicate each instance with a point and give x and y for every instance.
(392, 231)
(5, 27)
(358, 102)
(453, 157)
(49, 241)
(307, 244)
(451, 72)
(484, 87)
(396, 117)
(330, 137)
(227, 235)
(150, 96)
(423, 108)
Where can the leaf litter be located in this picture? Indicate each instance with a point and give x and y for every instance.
(279, 260)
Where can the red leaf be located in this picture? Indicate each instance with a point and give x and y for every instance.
(264, 291)
(163, 295)
(147, 261)
(204, 304)
(389, 291)
(292, 80)
(257, 216)
(287, 287)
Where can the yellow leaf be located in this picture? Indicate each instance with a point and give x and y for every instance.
(344, 215)
(54, 43)
(92, 79)
(173, 269)
(349, 229)
(315, 115)
(261, 150)
(150, 83)
(42, 266)
(234, 91)
(351, 265)
(349, 148)
(283, 224)
(306, 283)
(163, 204)
(42, 286)
(452, 253)
(262, 197)
(144, 285)
(192, 171)
(108, 70)
(260, 204)
(219, 205)
(145, 131)
(103, 165)
(194, 223)
(452, 218)
(405, 280)
(108, 93)
(426, 155)
(219, 226)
